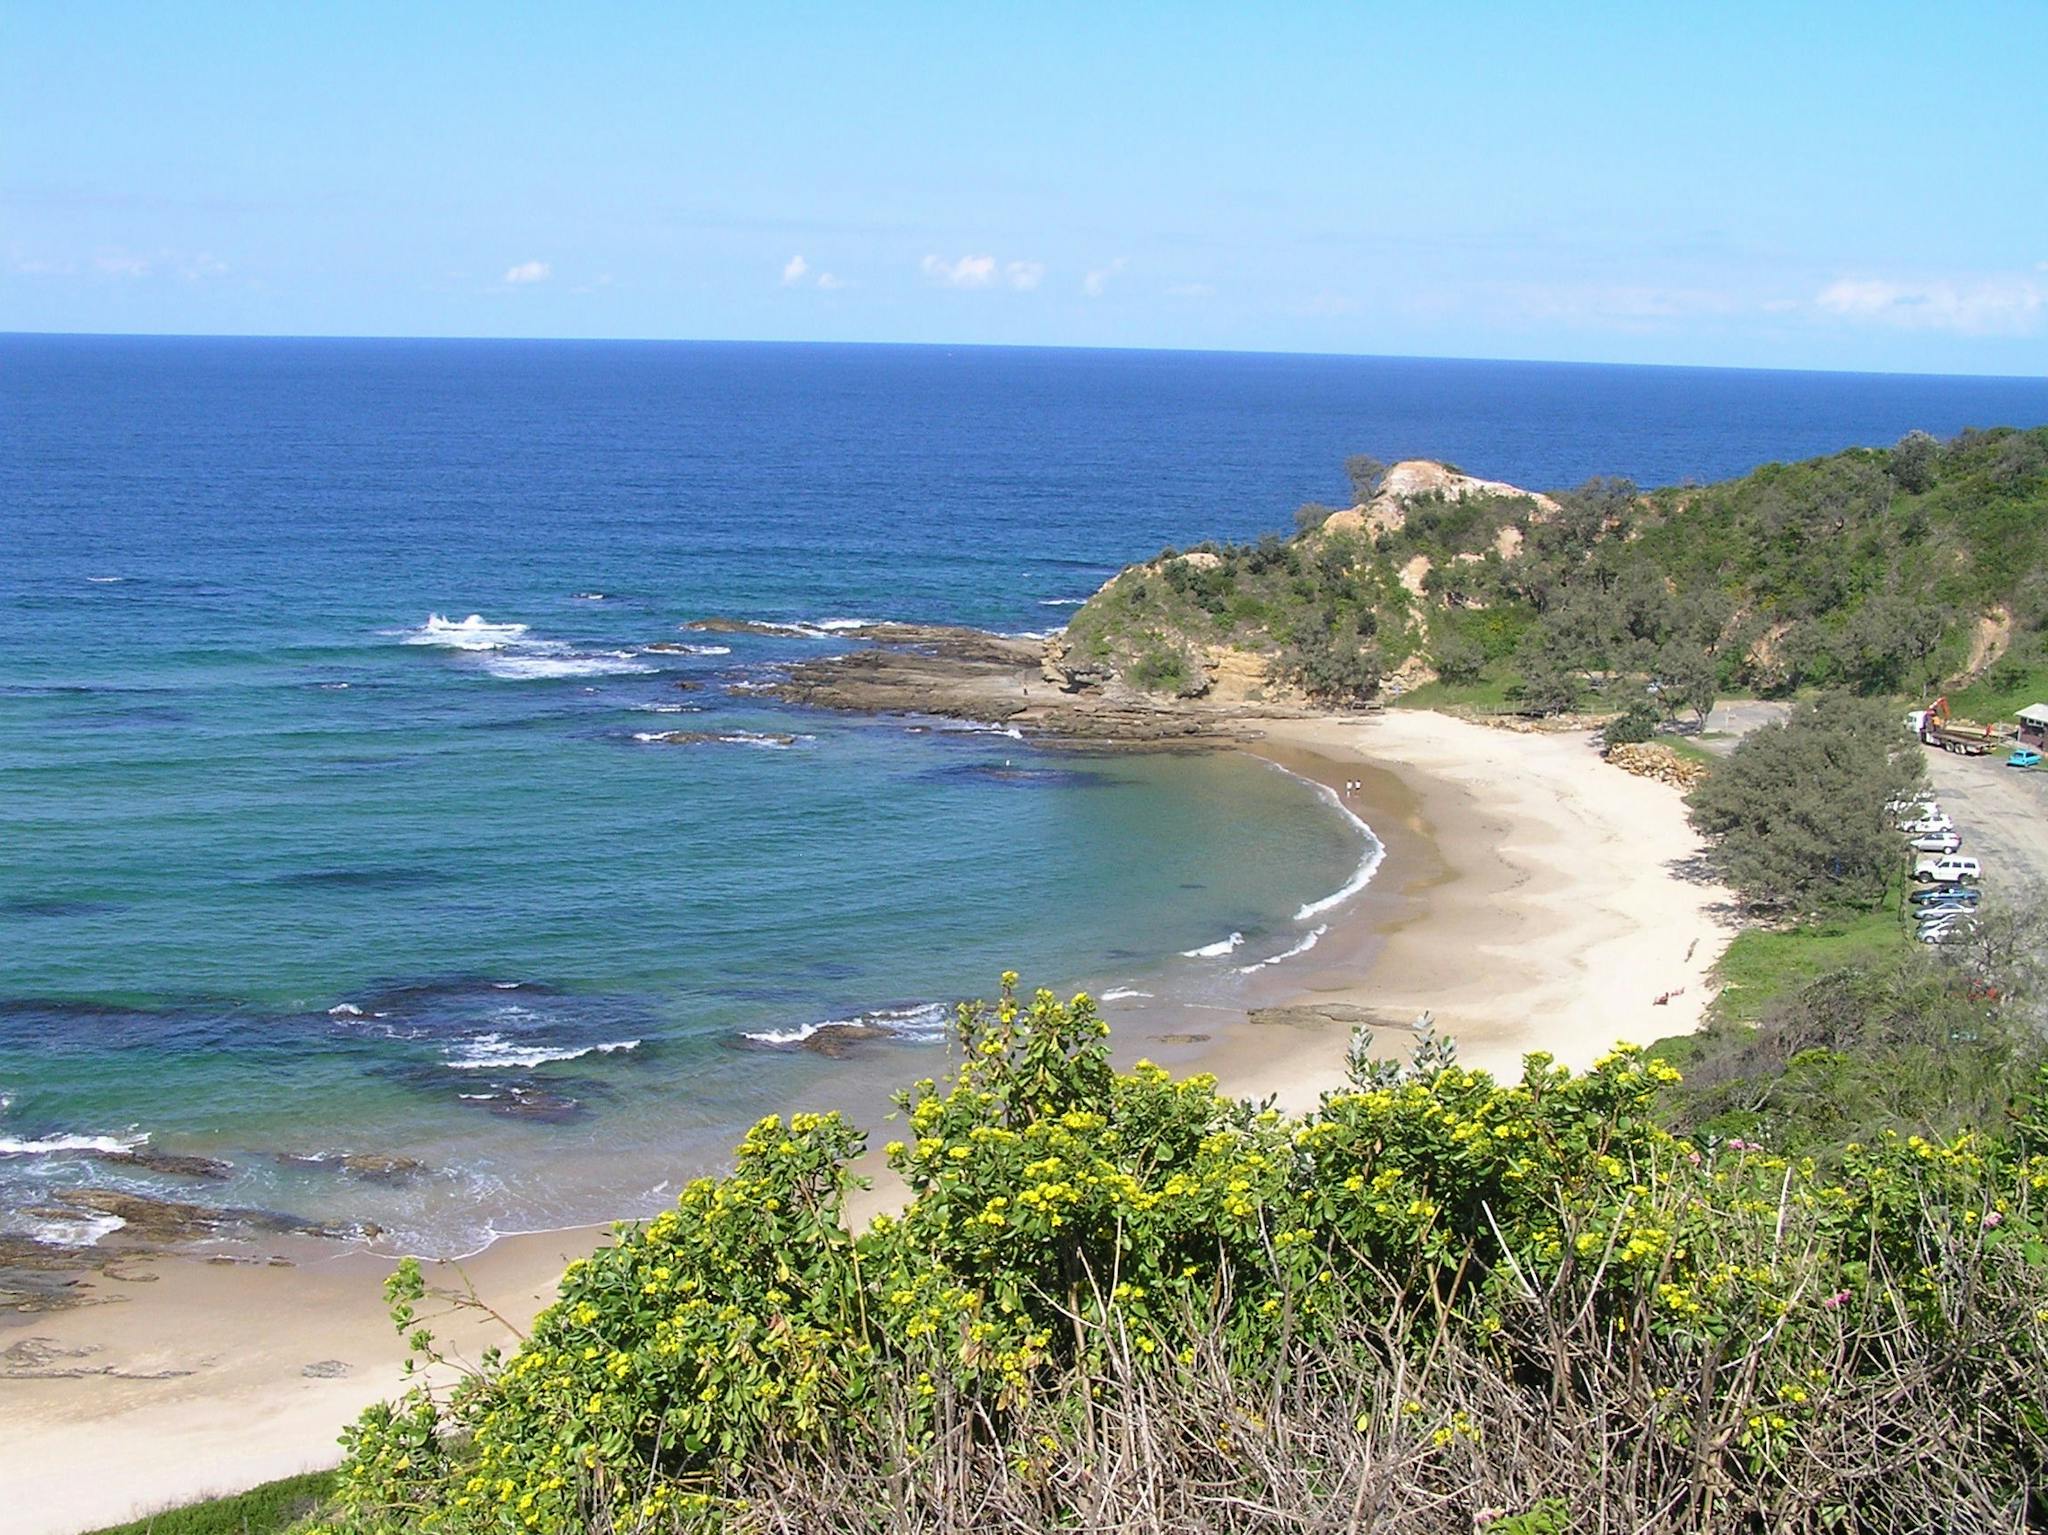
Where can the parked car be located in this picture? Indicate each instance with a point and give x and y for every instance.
(2023, 757)
(1936, 842)
(1926, 825)
(1946, 932)
(1947, 871)
(1951, 911)
(1946, 895)
(1948, 912)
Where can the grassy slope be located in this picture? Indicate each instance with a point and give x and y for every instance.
(1763, 964)
(274, 1506)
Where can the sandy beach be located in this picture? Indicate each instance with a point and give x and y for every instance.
(1532, 898)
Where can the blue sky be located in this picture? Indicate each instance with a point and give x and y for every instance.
(1852, 186)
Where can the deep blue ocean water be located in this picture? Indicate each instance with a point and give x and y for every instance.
(297, 857)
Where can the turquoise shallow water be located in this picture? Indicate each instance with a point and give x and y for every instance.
(298, 859)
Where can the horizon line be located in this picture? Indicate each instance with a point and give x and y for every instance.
(998, 346)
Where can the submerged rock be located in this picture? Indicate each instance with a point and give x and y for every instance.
(168, 1162)
(166, 1221)
(839, 1040)
(368, 1164)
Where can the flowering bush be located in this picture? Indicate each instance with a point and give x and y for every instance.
(1078, 1240)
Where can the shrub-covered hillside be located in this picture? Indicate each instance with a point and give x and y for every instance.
(1878, 570)
(1120, 1301)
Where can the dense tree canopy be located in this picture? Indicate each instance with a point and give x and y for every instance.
(1797, 816)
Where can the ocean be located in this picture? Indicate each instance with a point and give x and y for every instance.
(329, 818)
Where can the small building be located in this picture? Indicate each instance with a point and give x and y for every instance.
(2034, 725)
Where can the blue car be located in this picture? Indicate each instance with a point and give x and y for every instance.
(1946, 895)
(2023, 757)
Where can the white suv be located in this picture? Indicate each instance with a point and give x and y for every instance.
(1947, 871)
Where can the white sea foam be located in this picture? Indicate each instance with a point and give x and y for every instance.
(1314, 937)
(668, 649)
(508, 651)
(106, 580)
(472, 633)
(1061, 602)
(1214, 950)
(1367, 867)
(752, 738)
(925, 1021)
(529, 667)
(493, 1051)
(47, 1145)
(668, 708)
(80, 1230)
(1120, 993)
(587, 596)
(344, 1010)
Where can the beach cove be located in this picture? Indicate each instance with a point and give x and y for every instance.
(1530, 898)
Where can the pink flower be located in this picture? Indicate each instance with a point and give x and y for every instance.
(1992, 1217)
(1837, 1299)
(1737, 1143)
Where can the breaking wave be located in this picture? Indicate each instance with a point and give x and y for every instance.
(494, 1051)
(508, 650)
(1286, 954)
(922, 1022)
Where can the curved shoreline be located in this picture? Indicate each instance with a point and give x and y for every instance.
(1522, 900)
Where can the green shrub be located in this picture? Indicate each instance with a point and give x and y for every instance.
(1443, 1258)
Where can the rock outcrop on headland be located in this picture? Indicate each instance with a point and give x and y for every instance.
(1350, 606)
(995, 679)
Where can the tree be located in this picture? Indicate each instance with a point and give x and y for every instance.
(1913, 462)
(1688, 678)
(1311, 515)
(1638, 722)
(1331, 668)
(1796, 816)
(1365, 474)
(1459, 659)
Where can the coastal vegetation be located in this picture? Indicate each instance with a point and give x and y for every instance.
(1798, 818)
(1873, 571)
(265, 1510)
(1121, 1300)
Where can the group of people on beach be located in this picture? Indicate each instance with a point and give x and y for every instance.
(1353, 785)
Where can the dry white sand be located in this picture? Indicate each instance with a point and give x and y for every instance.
(1529, 901)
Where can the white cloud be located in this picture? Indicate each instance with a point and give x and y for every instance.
(983, 272)
(1190, 290)
(1978, 306)
(528, 272)
(793, 271)
(1098, 280)
(121, 264)
(830, 281)
(967, 272)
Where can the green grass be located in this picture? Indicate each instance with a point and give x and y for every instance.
(1486, 694)
(274, 1506)
(1688, 750)
(1761, 964)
